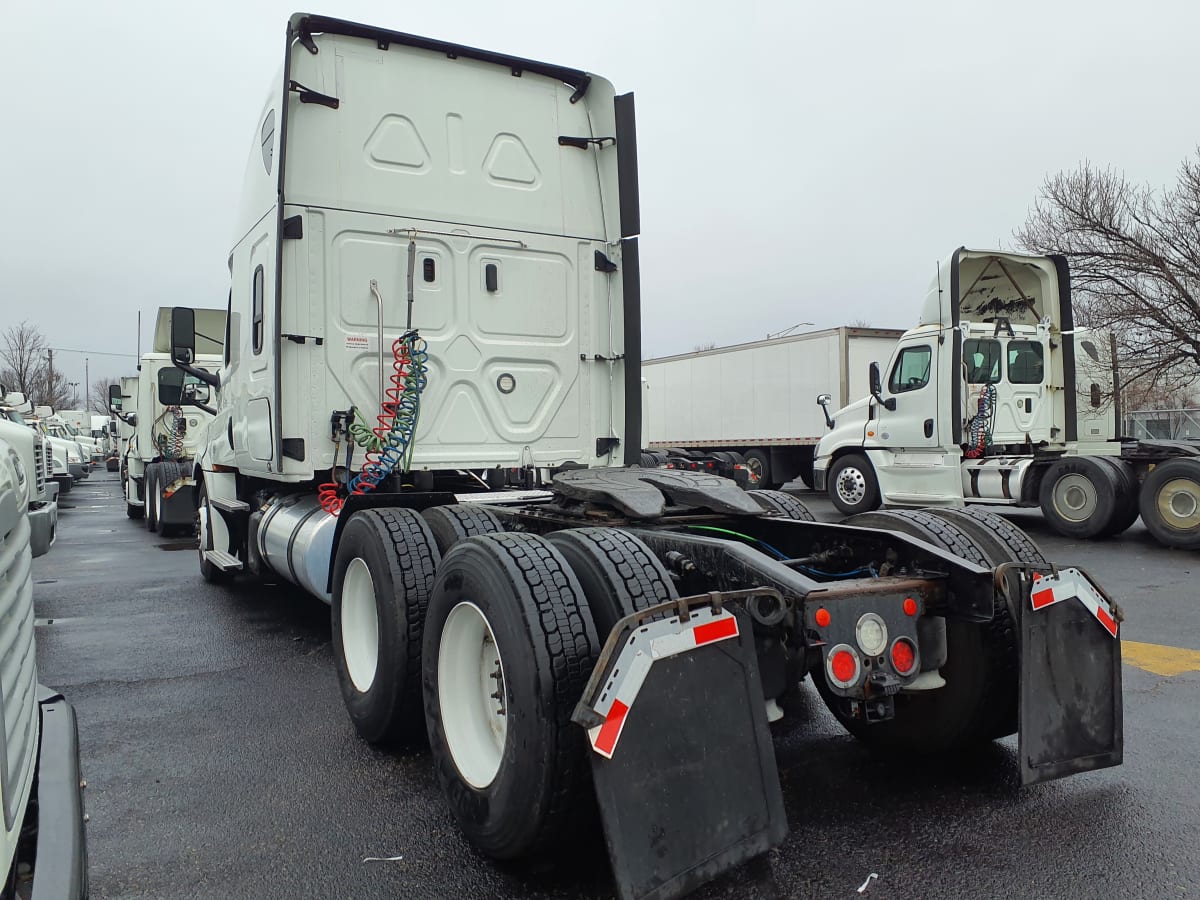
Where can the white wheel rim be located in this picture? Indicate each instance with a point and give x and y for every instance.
(471, 694)
(204, 538)
(851, 486)
(360, 625)
(157, 504)
(1075, 498)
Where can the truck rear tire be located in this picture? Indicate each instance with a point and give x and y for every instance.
(383, 574)
(149, 492)
(507, 612)
(1127, 511)
(1170, 503)
(450, 524)
(853, 487)
(758, 463)
(1078, 497)
(618, 573)
(785, 504)
(166, 473)
(976, 704)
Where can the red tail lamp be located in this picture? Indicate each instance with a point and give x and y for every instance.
(904, 656)
(822, 618)
(910, 606)
(843, 666)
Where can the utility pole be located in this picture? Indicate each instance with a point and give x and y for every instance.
(50, 374)
(87, 390)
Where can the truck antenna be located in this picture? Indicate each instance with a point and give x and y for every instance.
(938, 263)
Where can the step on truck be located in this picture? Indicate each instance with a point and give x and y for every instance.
(998, 398)
(162, 412)
(428, 416)
(42, 844)
(751, 404)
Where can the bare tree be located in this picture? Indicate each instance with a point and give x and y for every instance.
(860, 323)
(1134, 254)
(24, 360)
(708, 345)
(99, 396)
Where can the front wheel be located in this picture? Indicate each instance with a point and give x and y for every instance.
(853, 487)
(509, 645)
(210, 573)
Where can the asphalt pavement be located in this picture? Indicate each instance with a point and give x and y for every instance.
(220, 761)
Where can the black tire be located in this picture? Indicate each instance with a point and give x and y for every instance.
(852, 485)
(618, 573)
(648, 461)
(1127, 511)
(737, 458)
(149, 488)
(785, 504)
(1078, 497)
(758, 462)
(208, 571)
(723, 456)
(1021, 545)
(166, 473)
(678, 452)
(401, 557)
(537, 616)
(450, 524)
(1170, 503)
(979, 697)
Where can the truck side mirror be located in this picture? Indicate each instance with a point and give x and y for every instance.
(183, 335)
(196, 394)
(823, 401)
(877, 388)
(114, 397)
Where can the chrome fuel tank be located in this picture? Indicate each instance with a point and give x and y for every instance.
(295, 538)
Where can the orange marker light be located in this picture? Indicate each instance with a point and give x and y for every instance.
(821, 617)
(910, 606)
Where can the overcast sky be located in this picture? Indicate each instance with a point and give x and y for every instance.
(799, 161)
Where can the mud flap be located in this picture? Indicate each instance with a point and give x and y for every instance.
(1071, 713)
(685, 776)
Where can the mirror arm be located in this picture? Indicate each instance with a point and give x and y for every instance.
(203, 406)
(212, 379)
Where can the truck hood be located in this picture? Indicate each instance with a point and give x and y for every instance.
(848, 425)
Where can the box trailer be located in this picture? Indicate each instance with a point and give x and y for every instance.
(753, 403)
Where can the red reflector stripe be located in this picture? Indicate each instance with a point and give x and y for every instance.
(715, 631)
(606, 740)
(1043, 598)
(1109, 623)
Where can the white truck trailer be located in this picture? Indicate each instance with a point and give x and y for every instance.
(997, 397)
(42, 845)
(163, 411)
(752, 403)
(458, 266)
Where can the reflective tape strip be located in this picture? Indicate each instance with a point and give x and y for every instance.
(652, 641)
(1068, 583)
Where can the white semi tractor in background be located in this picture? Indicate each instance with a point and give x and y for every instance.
(163, 411)
(31, 448)
(457, 268)
(752, 403)
(997, 397)
(42, 844)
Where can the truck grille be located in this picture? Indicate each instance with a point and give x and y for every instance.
(42, 464)
(18, 674)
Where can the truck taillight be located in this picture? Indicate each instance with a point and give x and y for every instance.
(904, 656)
(843, 666)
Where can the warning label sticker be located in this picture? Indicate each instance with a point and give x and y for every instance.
(358, 342)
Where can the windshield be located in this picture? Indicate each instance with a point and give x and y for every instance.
(13, 416)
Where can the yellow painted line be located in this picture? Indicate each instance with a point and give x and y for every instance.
(1160, 659)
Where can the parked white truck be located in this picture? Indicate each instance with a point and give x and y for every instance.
(458, 267)
(164, 411)
(79, 424)
(31, 448)
(752, 403)
(983, 403)
(42, 848)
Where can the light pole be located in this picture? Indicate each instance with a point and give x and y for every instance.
(74, 386)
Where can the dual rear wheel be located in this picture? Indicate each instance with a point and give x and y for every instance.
(448, 628)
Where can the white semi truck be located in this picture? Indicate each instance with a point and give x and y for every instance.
(164, 411)
(42, 845)
(752, 403)
(997, 397)
(32, 450)
(456, 266)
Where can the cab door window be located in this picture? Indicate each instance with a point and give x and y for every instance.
(911, 371)
(982, 360)
(1025, 362)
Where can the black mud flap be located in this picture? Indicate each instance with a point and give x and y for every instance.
(1071, 714)
(685, 776)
